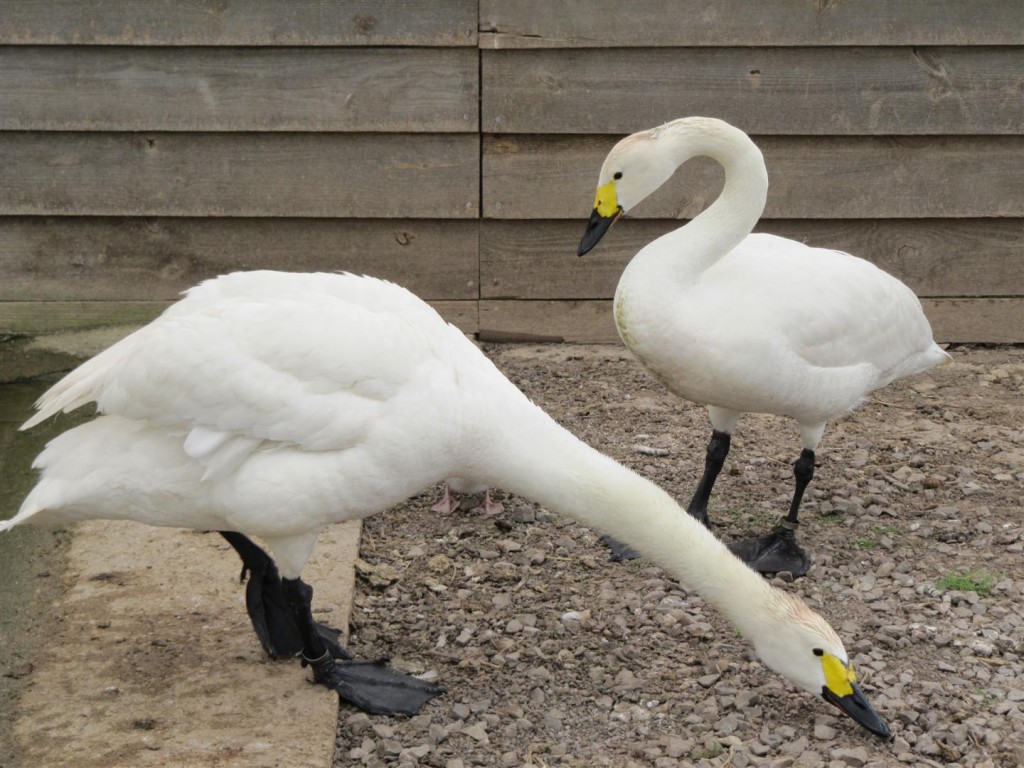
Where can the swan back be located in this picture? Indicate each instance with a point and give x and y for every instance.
(299, 399)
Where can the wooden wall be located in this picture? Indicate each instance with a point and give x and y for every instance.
(891, 129)
(453, 146)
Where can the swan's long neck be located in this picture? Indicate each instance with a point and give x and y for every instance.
(537, 458)
(696, 246)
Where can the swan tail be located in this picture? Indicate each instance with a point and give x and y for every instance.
(43, 497)
(83, 385)
(931, 357)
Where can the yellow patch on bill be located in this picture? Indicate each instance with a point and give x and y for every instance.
(606, 203)
(838, 677)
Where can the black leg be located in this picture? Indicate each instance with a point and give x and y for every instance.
(778, 551)
(268, 609)
(803, 471)
(718, 449)
(370, 685)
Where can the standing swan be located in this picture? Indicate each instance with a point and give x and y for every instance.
(751, 323)
(274, 404)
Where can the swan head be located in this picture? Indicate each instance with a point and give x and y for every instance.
(802, 647)
(642, 162)
(633, 170)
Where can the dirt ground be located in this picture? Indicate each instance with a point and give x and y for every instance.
(552, 656)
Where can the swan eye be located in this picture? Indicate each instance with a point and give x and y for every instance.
(618, 175)
(818, 652)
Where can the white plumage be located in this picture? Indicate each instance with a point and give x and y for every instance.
(747, 322)
(275, 404)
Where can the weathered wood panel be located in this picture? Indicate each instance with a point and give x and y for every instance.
(935, 257)
(586, 322)
(161, 174)
(30, 318)
(641, 23)
(64, 259)
(230, 89)
(990, 321)
(253, 22)
(810, 91)
(553, 177)
(996, 321)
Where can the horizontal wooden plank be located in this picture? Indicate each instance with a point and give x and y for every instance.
(586, 322)
(64, 259)
(810, 91)
(254, 22)
(637, 23)
(935, 257)
(817, 177)
(995, 321)
(988, 321)
(239, 89)
(161, 174)
(32, 318)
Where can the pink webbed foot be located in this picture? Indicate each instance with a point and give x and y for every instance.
(447, 504)
(488, 507)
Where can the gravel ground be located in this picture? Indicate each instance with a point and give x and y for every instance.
(552, 656)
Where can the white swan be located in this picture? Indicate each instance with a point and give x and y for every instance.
(275, 404)
(751, 323)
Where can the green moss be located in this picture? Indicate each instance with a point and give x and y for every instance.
(969, 581)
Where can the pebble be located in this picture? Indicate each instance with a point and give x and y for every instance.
(477, 732)
(855, 757)
(824, 732)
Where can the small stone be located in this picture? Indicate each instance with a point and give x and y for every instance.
(824, 732)
(926, 745)
(983, 649)
(677, 747)
(727, 725)
(852, 756)
(417, 752)
(477, 733)
(552, 721)
(440, 564)
(626, 681)
(708, 680)
(524, 514)
(859, 458)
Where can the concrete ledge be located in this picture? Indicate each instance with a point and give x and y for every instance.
(155, 663)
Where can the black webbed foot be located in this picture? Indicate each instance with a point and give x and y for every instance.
(271, 617)
(373, 686)
(776, 552)
(619, 550)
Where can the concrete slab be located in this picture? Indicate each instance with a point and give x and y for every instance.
(154, 663)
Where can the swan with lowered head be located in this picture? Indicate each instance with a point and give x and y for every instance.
(747, 322)
(274, 404)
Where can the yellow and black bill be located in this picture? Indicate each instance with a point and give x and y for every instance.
(856, 706)
(606, 211)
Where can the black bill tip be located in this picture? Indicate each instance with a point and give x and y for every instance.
(597, 225)
(856, 706)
